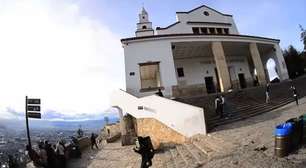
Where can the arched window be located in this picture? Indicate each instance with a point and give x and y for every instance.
(144, 27)
(271, 68)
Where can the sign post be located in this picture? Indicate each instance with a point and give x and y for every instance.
(32, 110)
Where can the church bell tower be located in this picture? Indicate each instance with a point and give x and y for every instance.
(144, 26)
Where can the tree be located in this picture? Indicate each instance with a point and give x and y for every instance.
(294, 61)
(303, 36)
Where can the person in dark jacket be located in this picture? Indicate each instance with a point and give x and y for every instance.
(93, 141)
(159, 93)
(268, 93)
(33, 155)
(50, 154)
(219, 106)
(295, 94)
(144, 147)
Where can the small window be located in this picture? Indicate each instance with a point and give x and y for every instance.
(212, 30)
(196, 30)
(180, 72)
(143, 17)
(132, 73)
(144, 27)
(226, 31)
(206, 13)
(204, 30)
(219, 31)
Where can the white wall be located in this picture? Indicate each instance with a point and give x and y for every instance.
(185, 119)
(195, 70)
(144, 50)
(154, 51)
(198, 16)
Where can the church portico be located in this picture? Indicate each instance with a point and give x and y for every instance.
(204, 67)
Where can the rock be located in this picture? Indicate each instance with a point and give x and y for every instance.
(263, 148)
(234, 162)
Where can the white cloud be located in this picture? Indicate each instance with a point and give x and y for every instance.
(49, 50)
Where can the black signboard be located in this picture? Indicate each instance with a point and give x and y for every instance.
(33, 101)
(33, 108)
(34, 115)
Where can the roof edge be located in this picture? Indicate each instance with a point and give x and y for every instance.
(206, 7)
(163, 28)
(191, 34)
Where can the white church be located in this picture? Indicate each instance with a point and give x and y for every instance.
(201, 53)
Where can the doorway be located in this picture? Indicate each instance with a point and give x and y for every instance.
(209, 83)
(242, 80)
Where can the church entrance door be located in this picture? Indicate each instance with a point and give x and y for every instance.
(209, 83)
(242, 80)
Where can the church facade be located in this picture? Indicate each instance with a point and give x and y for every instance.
(201, 53)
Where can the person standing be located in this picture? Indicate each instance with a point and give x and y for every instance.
(267, 93)
(159, 93)
(222, 99)
(93, 141)
(43, 159)
(144, 147)
(295, 95)
(33, 155)
(219, 106)
(50, 154)
(60, 151)
(217, 99)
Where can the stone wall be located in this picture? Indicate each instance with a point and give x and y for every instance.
(188, 90)
(111, 129)
(159, 133)
(84, 142)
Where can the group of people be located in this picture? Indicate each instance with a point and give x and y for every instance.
(292, 88)
(47, 155)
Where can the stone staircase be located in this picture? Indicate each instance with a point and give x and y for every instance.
(192, 154)
(242, 104)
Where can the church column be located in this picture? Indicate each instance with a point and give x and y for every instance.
(282, 71)
(220, 60)
(257, 63)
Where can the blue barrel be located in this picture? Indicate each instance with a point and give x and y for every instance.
(296, 134)
(282, 139)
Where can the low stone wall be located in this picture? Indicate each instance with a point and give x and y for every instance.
(159, 133)
(189, 90)
(84, 143)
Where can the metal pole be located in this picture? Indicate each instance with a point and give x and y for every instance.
(27, 122)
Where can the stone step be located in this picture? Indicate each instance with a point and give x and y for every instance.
(213, 146)
(168, 160)
(238, 111)
(158, 160)
(200, 156)
(177, 158)
(264, 107)
(203, 147)
(245, 115)
(187, 156)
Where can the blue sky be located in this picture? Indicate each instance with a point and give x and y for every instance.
(272, 18)
(74, 47)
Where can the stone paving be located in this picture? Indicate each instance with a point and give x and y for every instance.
(232, 145)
